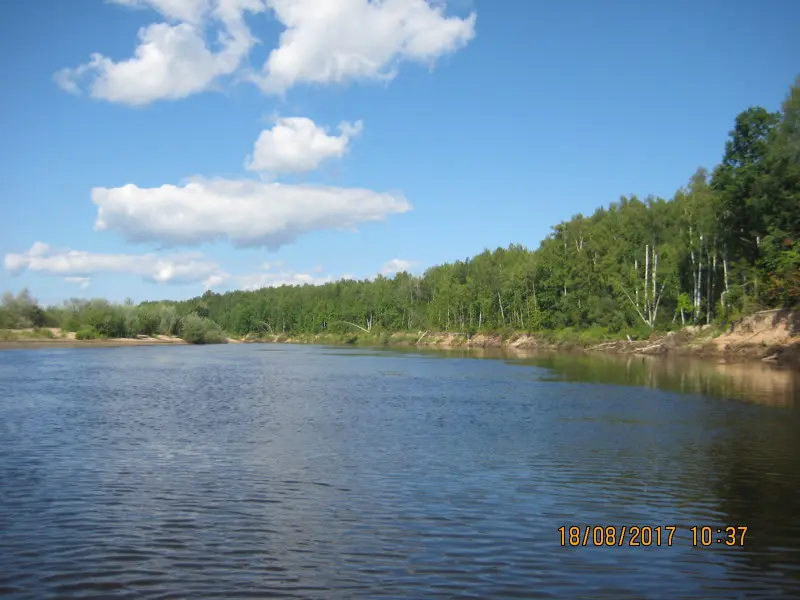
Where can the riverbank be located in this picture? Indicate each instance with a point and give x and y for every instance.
(53, 337)
(770, 336)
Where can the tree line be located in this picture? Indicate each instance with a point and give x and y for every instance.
(99, 318)
(724, 245)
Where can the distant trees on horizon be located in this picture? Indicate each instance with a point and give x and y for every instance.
(726, 244)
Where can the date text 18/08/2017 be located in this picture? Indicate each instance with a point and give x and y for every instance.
(647, 535)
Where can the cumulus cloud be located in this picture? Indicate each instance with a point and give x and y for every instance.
(325, 41)
(78, 266)
(332, 41)
(171, 61)
(248, 213)
(396, 265)
(297, 145)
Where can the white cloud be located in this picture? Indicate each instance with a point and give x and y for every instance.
(171, 61)
(257, 281)
(325, 41)
(215, 280)
(179, 10)
(396, 265)
(332, 41)
(77, 266)
(297, 144)
(248, 213)
(81, 282)
(276, 274)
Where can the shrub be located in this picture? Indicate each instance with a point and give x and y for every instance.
(107, 319)
(506, 333)
(87, 333)
(200, 330)
(593, 334)
(20, 312)
(149, 321)
(169, 323)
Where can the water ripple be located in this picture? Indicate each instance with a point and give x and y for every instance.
(311, 473)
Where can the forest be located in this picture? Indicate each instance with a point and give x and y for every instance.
(725, 245)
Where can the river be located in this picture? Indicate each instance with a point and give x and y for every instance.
(281, 471)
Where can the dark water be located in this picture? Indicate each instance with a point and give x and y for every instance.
(306, 472)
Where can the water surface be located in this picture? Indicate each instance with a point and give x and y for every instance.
(267, 471)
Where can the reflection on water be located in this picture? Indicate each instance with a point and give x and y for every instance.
(305, 472)
(752, 381)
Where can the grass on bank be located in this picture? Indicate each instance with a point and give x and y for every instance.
(38, 333)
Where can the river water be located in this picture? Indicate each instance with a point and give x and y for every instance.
(279, 471)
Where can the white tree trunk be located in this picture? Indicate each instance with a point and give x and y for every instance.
(502, 312)
(646, 275)
(648, 310)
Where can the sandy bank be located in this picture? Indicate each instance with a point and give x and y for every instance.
(770, 336)
(56, 338)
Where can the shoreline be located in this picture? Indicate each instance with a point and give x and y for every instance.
(664, 347)
(42, 343)
(780, 356)
(771, 336)
(768, 336)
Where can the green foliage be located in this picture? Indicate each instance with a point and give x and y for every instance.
(21, 312)
(726, 244)
(115, 320)
(594, 335)
(201, 330)
(88, 333)
(782, 261)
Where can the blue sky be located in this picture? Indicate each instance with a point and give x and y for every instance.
(239, 143)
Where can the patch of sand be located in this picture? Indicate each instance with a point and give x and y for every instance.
(766, 328)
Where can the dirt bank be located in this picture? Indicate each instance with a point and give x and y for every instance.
(772, 336)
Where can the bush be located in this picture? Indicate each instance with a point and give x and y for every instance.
(200, 330)
(88, 333)
(506, 333)
(146, 321)
(43, 333)
(20, 312)
(592, 335)
(169, 323)
(107, 319)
